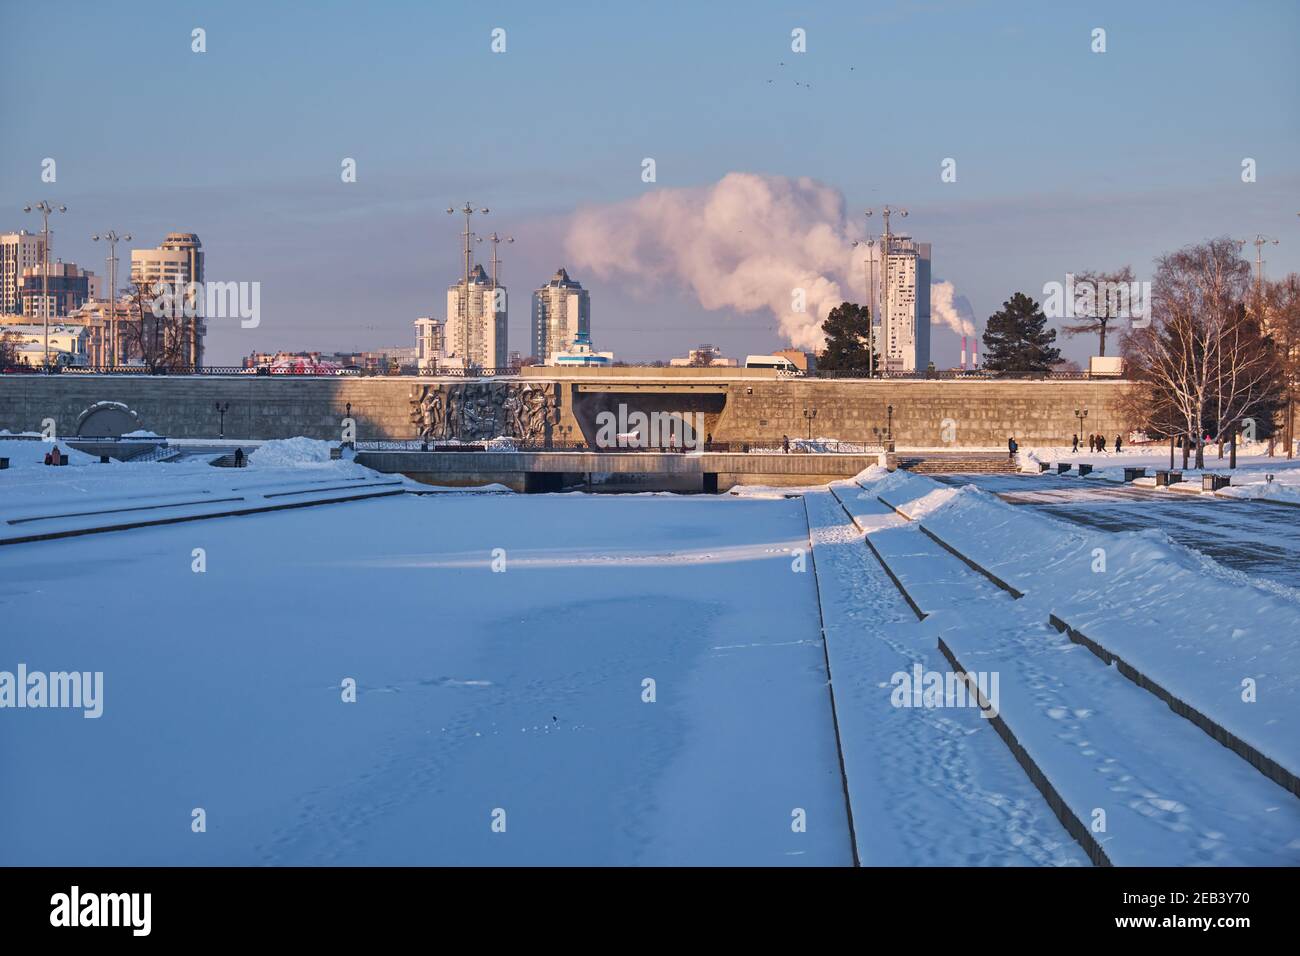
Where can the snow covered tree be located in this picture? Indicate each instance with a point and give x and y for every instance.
(1016, 339)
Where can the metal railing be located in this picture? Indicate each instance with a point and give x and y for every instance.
(758, 446)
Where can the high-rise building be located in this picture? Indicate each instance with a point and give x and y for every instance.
(561, 314)
(67, 288)
(905, 332)
(19, 251)
(476, 322)
(178, 264)
(430, 342)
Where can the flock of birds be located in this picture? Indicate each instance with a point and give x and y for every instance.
(806, 86)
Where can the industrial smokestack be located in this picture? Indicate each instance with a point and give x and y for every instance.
(975, 355)
(963, 353)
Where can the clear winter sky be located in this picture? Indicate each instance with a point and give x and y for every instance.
(1066, 159)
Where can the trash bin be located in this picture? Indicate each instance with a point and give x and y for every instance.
(103, 459)
(1044, 466)
(1085, 469)
(4, 463)
(1130, 474)
(1166, 478)
(1215, 482)
(1062, 467)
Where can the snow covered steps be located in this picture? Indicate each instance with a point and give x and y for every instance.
(1132, 782)
(24, 529)
(1212, 645)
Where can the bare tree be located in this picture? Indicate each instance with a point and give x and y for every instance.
(1205, 361)
(155, 333)
(1111, 299)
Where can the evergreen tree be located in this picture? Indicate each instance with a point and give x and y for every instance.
(1016, 339)
(848, 339)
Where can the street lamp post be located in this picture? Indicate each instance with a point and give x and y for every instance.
(496, 240)
(871, 303)
(1081, 414)
(44, 208)
(467, 210)
(809, 415)
(889, 427)
(222, 408)
(111, 237)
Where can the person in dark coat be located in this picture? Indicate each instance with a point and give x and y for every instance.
(1117, 444)
(1074, 446)
(239, 458)
(785, 444)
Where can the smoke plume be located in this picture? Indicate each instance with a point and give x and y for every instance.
(944, 310)
(748, 242)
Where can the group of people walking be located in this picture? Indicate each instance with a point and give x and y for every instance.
(1096, 443)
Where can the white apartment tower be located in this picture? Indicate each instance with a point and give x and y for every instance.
(561, 316)
(476, 322)
(19, 251)
(905, 326)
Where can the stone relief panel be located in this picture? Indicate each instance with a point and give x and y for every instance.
(478, 411)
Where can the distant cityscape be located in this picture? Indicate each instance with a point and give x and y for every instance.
(61, 314)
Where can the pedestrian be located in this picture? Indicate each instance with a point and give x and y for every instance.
(708, 440)
(1092, 443)
(239, 458)
(1011, 447)
(1074, 446)
(1117, 444)
(785, 444)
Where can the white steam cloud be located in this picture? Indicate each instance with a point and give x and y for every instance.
(944, 310)
(748, 242)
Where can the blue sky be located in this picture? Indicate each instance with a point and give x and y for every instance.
(1067, 159)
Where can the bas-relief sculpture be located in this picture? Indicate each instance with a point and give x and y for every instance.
(478, 411)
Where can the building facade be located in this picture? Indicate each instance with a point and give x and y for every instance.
(561, 314)
(476, 323)
(905, 329)
(430, 343)
(66, 289)
(19, 251)
(178, 264)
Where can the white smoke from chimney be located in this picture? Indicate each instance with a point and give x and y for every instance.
(942, 310)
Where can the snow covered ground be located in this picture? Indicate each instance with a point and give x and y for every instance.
(478, 691)
(505, 648)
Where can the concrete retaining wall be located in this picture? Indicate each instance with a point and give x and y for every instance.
(970, 413)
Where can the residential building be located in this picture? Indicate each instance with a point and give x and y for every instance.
(19, 251)
(561, 313)
(476, 322)
(905, 331)
(430, 343)
(67, 288)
